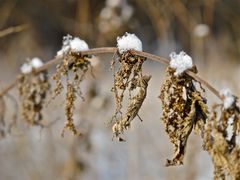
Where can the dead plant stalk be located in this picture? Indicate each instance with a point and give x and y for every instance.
(106, 50)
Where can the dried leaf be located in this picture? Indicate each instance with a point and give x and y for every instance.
(183, 109)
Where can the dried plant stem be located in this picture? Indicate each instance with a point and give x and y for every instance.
(14, 29)
(106, 50)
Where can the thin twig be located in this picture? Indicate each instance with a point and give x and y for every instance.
(14, 29)
(105, 50)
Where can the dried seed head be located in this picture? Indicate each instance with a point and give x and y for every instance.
(129, 72)
(221, 139)
(69, 108)
(128, 77)
(133, 107)
(33, 89)
(184, 109)
(73, 67)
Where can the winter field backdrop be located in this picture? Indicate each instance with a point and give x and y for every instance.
(207, 30)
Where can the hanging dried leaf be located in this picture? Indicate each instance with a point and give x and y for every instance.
(73, 67)
(128, 77)
(183, 109)
(33, 89)
(221, 140)
(133, 108)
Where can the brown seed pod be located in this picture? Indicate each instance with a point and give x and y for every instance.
(221, 140)
(184, 108)
(33, 89)
(73, 67)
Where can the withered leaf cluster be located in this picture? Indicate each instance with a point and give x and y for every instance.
(73, 67)
(33, 89)
(128, 77)
(220, 140)
(184, 109)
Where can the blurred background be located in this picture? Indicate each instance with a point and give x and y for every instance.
(208, 30)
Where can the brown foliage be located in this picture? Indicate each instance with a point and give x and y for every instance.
(184, 108)
(74, 68)
(129, 76)
(33, 89)
(220, 140)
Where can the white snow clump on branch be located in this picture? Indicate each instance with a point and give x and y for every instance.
(230, 128)
(228, 98)
(74, 44)
(128, 42)
(34, 63)
(180, 62)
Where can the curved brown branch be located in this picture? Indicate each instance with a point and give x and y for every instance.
(105, 50)
(14, 29)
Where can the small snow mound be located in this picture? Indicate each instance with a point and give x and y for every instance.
(181, 62)
(78, 45)
(230, 128)
(128, 42)
(36, 62)
(33, 63)
(228, 98)
(74, 44)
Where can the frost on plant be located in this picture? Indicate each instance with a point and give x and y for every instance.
(128, 77)
(128, 42)
(73, 67)
(221, 137)
(73, 44)
(184, 109)
(228, 98)
(30, 65)
(180, 62)
(33, 88)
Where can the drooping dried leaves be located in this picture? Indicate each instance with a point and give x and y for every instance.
(184, 109)
(128, 77)
(221, 140)
(33, 89)
(73, 67)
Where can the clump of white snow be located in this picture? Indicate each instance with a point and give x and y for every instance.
(228, 98)
(31, 64)
(77, 45)
(230, 128)
(128, 42)
(74, 44)
(180, 62)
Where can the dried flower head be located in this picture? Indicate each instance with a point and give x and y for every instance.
(73, 67)
(221, 137)
(33, 88)
(184, 109)
(128, 77)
